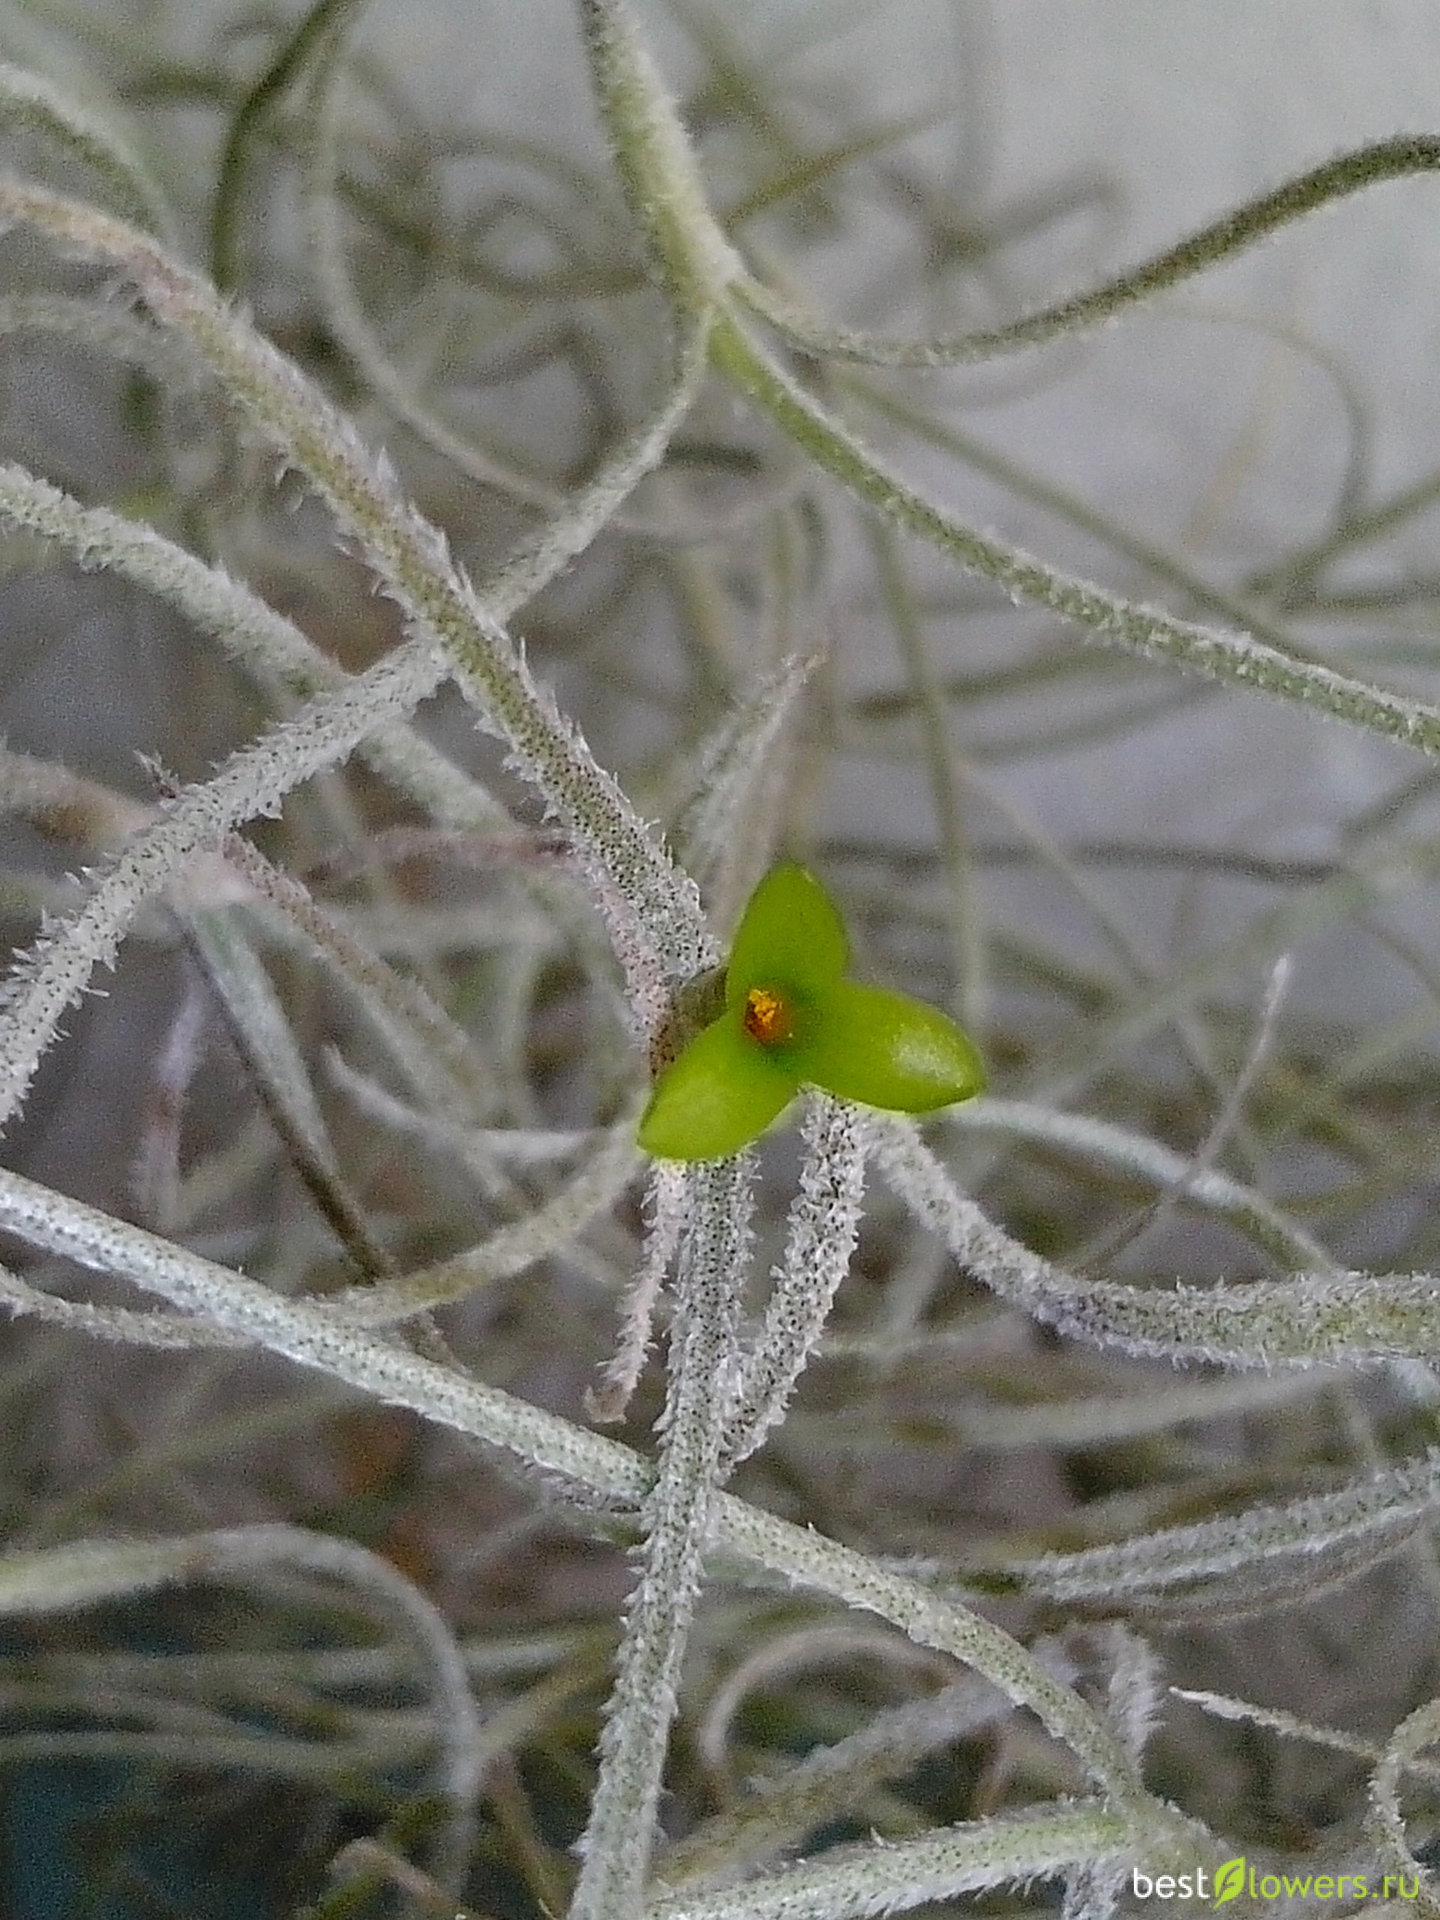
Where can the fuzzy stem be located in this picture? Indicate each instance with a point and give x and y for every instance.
(621, 1833)
(1103, 616)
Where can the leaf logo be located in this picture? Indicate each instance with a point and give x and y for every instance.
(1229, 1881)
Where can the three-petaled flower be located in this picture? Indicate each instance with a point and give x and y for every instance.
(792, 1019)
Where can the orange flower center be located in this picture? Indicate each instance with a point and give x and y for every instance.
(768, 1017)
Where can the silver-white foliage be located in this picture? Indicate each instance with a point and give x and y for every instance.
(1306, 1321)
(823, 1228)
(58, 1579)
(724, 1394)
(777, 1811)
(852, 1882)
(713, 1254)
(1362, 1522)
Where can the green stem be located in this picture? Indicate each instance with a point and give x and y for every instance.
(1232, 233)
(1106, 617)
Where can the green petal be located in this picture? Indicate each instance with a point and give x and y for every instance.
(790, 933)
(719, 1095)
(886, 1050)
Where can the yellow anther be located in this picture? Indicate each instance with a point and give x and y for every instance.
(768, 1018)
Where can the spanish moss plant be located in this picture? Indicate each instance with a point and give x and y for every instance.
(540, 1378)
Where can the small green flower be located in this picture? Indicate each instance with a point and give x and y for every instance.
(791, 1019)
